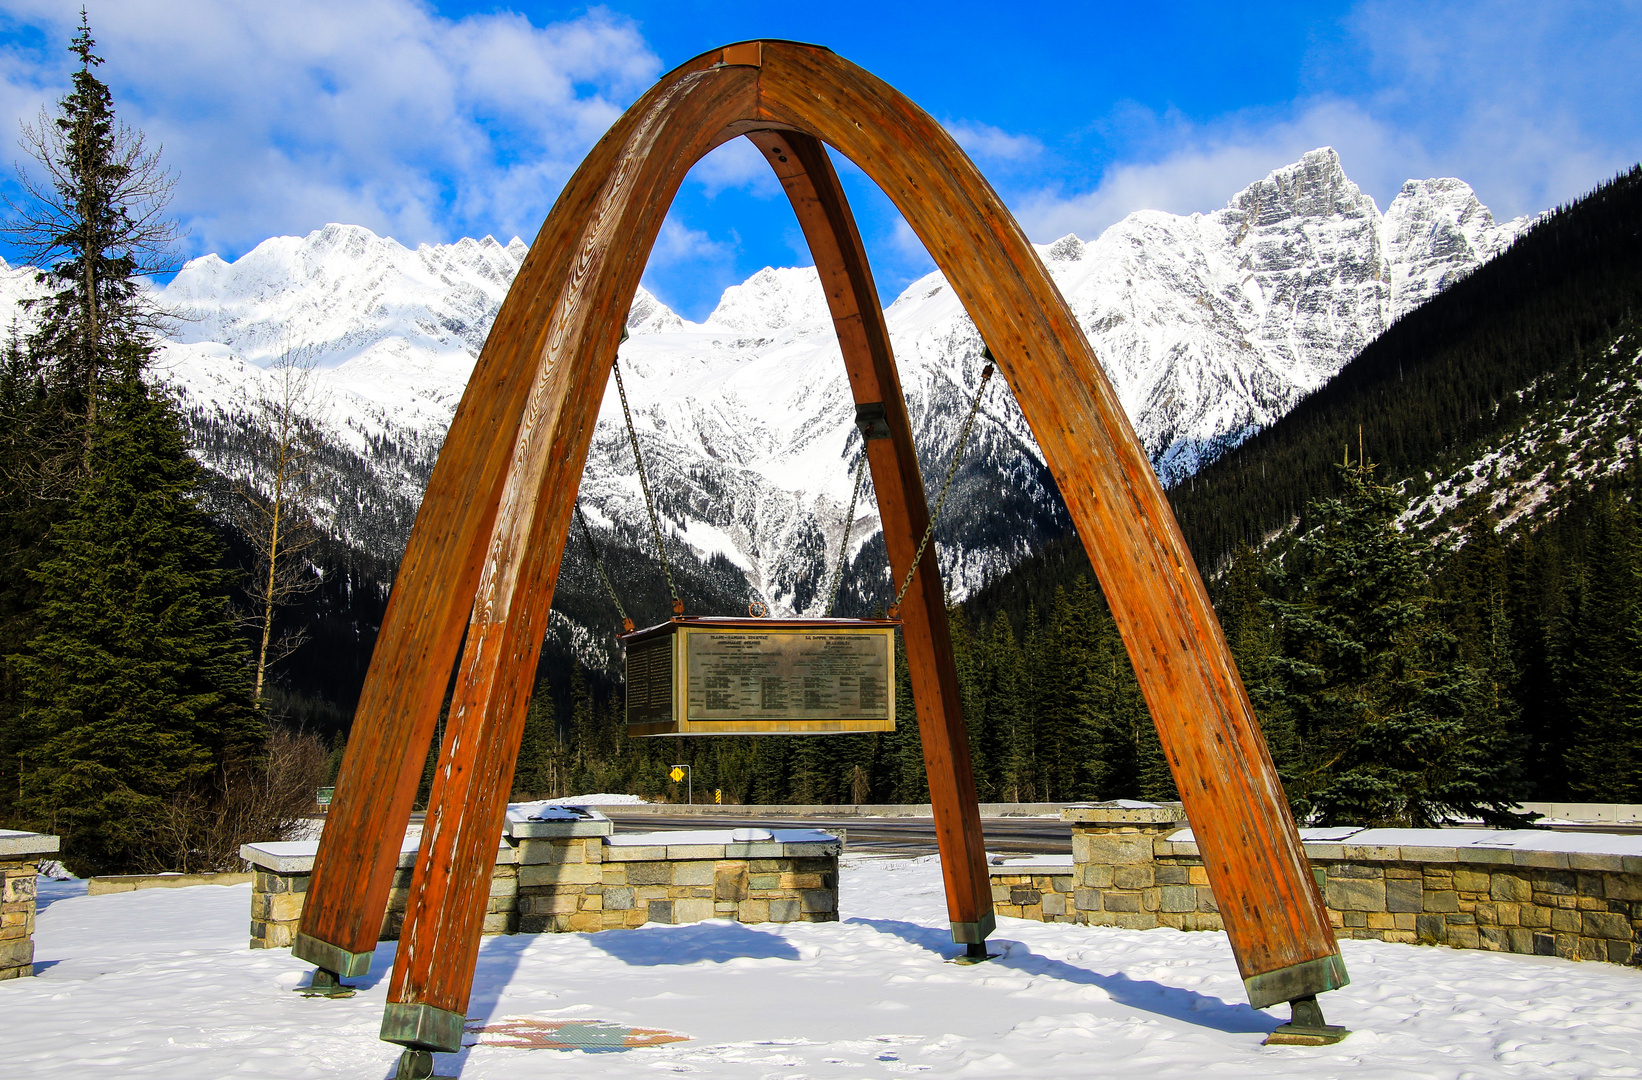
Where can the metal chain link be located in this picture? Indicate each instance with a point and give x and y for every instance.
(587, 533)
(849, 522)
(946, 485)
(644, 483)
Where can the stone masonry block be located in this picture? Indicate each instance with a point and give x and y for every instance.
(1356, 894)
(1171, 874)
(784, 911)
(1178, 898)
(618, 898)
(649, 873)
(1442, 900)
(695, 909)
(693, 872)
(285, 907)
(635, 854)
(816, 900)
(1096, 876)
(1054, 904)
(753, 911)
(1133, 877)
(536, 851)
(1119, 850)
(1404, 894)
(730, 881)
(544, 874)
(661, 911)
(1431, 928)
(1555, 883)
(18, 888)
(1086, 899)
(1120, 901)
(1471, 881)
(1463, 937)
(1606, 924)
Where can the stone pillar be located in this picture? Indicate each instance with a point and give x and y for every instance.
(560, 882)
(19, 854)
(1115, 864)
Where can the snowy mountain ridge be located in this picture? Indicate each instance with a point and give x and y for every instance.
(1209, 325)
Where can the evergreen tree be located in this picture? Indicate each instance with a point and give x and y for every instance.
(1393, 723)
(1251, 632)
(1603, 755)
(136, 687)
(96, 221)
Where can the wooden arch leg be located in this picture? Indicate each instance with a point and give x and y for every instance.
(421, 632)
(817, 198)
(439, 943)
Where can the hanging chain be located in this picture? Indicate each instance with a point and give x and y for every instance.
(587, 533)
(849, 522)
(644, 483)
(946, 485)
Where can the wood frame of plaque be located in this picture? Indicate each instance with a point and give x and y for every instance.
(740, 676)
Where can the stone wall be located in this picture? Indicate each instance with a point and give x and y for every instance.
(573, 875)
(118, 883)
(20, 853)
(1034, 888)
(1468, 888)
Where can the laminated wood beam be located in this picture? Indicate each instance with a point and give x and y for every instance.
(812, 186)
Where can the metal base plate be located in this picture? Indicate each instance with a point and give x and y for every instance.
(418, 1065)
(966, 961)
(1296, 1035)
(325, 984)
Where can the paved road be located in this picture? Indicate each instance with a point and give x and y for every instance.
(899, 836)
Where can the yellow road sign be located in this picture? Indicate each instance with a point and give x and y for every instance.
(676, 775)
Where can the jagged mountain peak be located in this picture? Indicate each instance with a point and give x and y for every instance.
(1316, 186)
(775, 298)
(650, 316)
(1439, 231)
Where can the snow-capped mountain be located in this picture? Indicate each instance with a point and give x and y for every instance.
(1209, 325)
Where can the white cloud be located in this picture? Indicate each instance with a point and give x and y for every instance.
(736, 164)
(279, 118)
(1531, 104)
(678, 243)
(994, 144)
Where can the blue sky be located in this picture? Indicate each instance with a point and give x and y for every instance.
(432, 121)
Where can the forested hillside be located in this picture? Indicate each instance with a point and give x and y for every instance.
(1455, 376)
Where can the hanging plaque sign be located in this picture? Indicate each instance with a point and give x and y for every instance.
(759, 676)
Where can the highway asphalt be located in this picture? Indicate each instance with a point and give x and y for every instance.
(898, 836)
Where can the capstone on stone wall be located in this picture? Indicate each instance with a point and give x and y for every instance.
(1467, 888)
(574, 875)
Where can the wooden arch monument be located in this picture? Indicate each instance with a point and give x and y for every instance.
(483, 558)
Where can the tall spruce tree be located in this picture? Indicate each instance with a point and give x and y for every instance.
(136, 687)
(1393, 724)
(96, 222)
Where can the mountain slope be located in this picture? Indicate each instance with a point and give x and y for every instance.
(1533, 351)
(1211, 326)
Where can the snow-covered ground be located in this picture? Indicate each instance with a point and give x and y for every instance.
(159, 983)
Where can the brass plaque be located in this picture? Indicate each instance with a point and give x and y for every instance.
(797, 675)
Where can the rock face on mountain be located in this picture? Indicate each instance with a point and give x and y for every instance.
(1209, 326)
